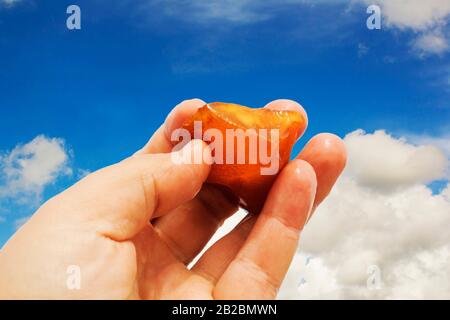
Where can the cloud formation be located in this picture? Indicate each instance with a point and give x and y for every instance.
(402, 233)
(430, 43)
(381, 161)
(441, 142)
(29, 168)
(361, 230)
(427, 18)
(418, 15)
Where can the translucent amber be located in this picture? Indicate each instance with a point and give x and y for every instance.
(246, 180)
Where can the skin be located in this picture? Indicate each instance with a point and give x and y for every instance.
(133, 227)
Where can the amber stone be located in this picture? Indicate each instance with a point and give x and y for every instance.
(246, 178)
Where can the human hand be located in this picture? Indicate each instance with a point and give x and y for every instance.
(132, 228)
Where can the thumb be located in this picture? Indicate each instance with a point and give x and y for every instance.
(121, 199)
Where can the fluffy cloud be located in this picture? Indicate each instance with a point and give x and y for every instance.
(430, 43)
(367, 243)
(414, 14)
(442, 142)
(381, 161)
(446, 193)
(428, 18)
(403, 234)
(29, 168)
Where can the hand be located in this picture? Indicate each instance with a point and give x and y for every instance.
(132, 228)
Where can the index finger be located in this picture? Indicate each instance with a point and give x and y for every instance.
(160, 141)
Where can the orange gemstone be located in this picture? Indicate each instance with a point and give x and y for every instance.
(249, 146)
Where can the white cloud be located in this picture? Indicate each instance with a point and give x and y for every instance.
(413, 14)
(430, 43)
(380, 161)
(403, 232)
(29, 168)
(309, 277)
(427, 18)
(441, 142)
(446, 193)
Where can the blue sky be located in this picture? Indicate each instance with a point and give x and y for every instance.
(104, 89)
